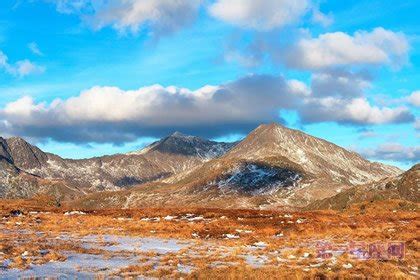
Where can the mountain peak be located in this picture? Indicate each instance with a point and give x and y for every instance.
(316, 156)
(25, 155)
(16, 139)
(181, 144)
(179, 134)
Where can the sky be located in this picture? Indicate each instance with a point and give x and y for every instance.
(85, 78)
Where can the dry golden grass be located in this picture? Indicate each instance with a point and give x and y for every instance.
(384, 221)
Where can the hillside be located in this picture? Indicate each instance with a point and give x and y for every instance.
(272, 167)
(405, 186)
(169, 156)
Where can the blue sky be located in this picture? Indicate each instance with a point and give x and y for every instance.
(90, 77)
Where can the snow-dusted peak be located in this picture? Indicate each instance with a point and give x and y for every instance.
(187, 145)
(316, 156)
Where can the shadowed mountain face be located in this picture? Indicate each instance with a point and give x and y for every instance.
(169, 156)
(5, 151)
(273, 166)
(180, 144)
(25, 155)
(405, 186)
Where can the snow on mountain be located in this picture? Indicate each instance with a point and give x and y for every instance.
(172, 155)
(272, 167)
(178, 143)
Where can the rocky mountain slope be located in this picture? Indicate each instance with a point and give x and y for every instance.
(172, 155)
(16, 183)
(273, 166)
(405, 186)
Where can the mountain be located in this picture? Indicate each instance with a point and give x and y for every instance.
(181, 144)
(174, 154)
(6, 160)
(24, 155)
(16, 183)
(405, 186)
(273, 166)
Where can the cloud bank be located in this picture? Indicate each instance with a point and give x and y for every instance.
(378, 47)
(395, 152)
(110, 114)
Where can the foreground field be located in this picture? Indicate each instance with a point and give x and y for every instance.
(209, 243)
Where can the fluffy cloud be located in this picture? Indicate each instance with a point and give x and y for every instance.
(393, 151)
(109, 114)
(21, 68)
(259, 14)
(159, 16)
(414, 98)
(351, 111)
(340, 83)
(339, 96)
(378, 47)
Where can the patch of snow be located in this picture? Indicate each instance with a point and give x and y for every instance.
(347, 266)
(230, 236)
(195, 219)
(169, 218)
(69, 213)
(260, 244)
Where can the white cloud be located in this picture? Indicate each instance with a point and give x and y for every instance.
(20, 68)
(351, 111)
(110, 114)
(414, 98)
(33, 47)
(340, 83)
(321, 18)
(417, 124)
(26, 67)
(393, 151)
(299, 88)
(158, 16)
(107, 114)
(377, 47)
(259, 14)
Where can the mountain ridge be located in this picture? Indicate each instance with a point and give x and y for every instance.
(273, 166)
(112, 172)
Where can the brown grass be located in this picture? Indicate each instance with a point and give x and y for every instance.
(385, 220)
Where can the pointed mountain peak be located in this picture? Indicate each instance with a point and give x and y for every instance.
(25, 155)
(178, 134)
(181, 144)
(269, 128)
(14, 142)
